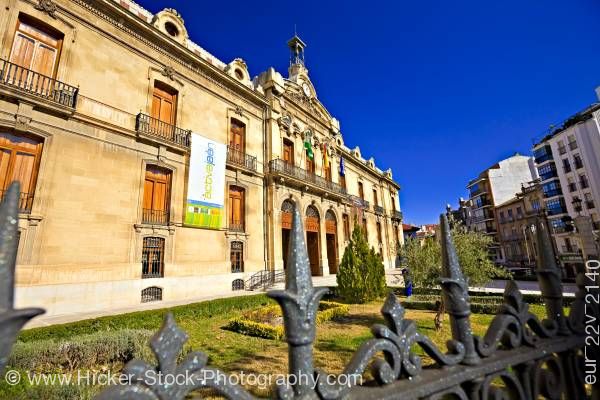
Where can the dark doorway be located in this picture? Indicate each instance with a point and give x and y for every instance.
(312, 243)
(332, 253)
(285, 243)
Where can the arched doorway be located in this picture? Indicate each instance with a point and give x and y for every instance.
(312, 223)
(287, 208)
(331, 241)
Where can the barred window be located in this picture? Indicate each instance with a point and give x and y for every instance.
(152, 293)
(153, 252)
(237, 284)
(237, 257)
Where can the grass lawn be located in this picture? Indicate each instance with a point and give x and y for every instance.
(232, 352)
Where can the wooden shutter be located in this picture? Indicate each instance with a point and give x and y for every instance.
(288, 152)
(156, 189)
(237, 135)
(361, 192)
(343, 181)
(236, 206)
(36, 48)
(19, 160)
(310, 165)
(164, 101)
(375, 199)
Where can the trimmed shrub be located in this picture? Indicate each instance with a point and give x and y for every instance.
(361, 276)
(258, 329)
(83, 352)
(255, 322)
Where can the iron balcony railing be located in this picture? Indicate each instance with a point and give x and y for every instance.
(155, 127)
(573, 145)
(25, 201)
(241, 159)
(359, 202)
(236, 226)
(156, 217)
(281, 167)
(378, 210)
(36, 84)
(397, 215)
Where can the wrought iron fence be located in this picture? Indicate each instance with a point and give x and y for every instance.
(239, 158)
(532, 358)
(379, 210)
(155, 127)
(36, 84)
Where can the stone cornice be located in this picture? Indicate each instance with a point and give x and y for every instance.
(146, 33)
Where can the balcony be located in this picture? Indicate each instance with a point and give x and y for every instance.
(397, 215)
(238, 158)
(573, 249)
(589, 204)
(378, 210)
(236, 226)
(584, 184)
(562, 150)
(573, 145)
(155, 217)
(302, 178)
(153, 128)
(25, 201)
(358, 202)
(37, 86)
(557, 210)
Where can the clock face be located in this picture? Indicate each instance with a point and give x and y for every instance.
(306, 89)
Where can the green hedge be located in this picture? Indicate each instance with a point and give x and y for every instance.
(151, 319)
(252, 323)
(420, 294)
(427, 305)
(83, 352)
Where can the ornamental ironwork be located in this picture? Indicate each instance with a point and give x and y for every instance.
(532, 358)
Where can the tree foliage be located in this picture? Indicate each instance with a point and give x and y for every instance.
(424, 260)
(361, 276)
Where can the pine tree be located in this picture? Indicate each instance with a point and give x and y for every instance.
(361, 276)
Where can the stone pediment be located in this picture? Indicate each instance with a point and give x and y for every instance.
(309, 103)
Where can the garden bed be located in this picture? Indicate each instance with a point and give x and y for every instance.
(267, 322)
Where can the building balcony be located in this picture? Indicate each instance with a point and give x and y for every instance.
(378, 210)
(300, 177)
(590, 204)
(397, 215)
(573, 145)
(153, 128)
(358, 202)
(573, 249)
(238, 158)
(25, 201)
(35, 86)
(155, 217)
(562, 150)
(236, 226)
(556, 211)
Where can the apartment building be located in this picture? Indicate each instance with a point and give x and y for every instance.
(492, 187)
(515, 219)
(103, 109)
(568, 162)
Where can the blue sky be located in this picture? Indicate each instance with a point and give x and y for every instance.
(436, 90)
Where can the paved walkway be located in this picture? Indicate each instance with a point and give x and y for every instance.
(393, 278)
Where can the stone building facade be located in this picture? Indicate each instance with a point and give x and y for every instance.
(98, 100)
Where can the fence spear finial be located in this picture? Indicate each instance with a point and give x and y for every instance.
(455, 290)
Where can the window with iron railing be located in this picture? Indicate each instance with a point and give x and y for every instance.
(152, 293)
(157, 196)
(153, 253)
(237, 257)
(239, 158)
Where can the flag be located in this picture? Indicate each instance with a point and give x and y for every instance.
(325, 156)
(308, 147)
(342, 167)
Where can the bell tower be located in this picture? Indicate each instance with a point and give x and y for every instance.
(296, 46)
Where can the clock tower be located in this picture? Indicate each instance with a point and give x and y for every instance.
(296, 46)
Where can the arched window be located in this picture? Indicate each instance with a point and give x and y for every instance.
(237, 284)
(287, 209)
(152, 293)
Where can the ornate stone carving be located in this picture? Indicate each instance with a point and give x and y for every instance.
(47, 6)
(168, 72)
